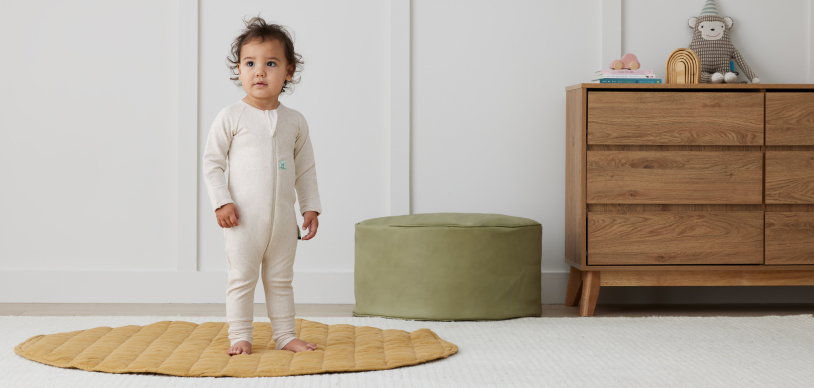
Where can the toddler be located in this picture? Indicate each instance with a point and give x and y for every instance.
(270, 155)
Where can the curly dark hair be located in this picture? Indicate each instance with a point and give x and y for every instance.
(257, 28)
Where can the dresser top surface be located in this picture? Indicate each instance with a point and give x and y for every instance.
(721, 86)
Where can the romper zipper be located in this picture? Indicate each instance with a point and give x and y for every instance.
(274, 169)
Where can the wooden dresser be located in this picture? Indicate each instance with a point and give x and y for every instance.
(688, 185)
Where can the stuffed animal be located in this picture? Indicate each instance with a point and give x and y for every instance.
(710, 40)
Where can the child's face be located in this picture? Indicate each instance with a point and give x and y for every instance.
(263, 63)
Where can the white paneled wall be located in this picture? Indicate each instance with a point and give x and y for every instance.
(773, 36)
(488, 103)
(414, 106)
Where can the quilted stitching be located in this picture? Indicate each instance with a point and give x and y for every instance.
(183, 348)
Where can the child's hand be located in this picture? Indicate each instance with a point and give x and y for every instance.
(311, 222)
(227, 215)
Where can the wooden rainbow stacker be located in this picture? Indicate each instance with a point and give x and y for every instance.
(688, 185)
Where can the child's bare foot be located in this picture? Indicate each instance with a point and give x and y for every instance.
(241, 347)
(298, 345)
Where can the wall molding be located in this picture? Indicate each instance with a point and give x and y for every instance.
(334, 287)
(400, 107)
(188, 285)
(187, 200)
(21, 286)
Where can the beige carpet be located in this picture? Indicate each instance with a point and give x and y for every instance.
(184, 348)
(770, 351)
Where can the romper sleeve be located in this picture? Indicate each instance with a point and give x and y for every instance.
(305, 166)
(218, 143)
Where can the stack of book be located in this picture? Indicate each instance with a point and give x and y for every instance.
(626, 77)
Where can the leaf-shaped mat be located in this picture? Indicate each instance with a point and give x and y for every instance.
(183, 348)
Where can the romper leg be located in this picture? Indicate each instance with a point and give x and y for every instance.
(590, 293)
(277, 275)
(574, 291)
(244, 253)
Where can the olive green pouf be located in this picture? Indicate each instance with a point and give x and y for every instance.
(448, 266)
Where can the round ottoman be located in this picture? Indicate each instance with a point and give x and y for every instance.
(448, 266)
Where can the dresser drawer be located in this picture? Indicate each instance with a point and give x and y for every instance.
(790, 177)
(662, 238)
(675, 118)
(789, 118)
(675, 177)
(789, 238)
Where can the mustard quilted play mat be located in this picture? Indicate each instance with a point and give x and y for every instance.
(183, 348)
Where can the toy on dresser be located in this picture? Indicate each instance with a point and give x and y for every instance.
(626, 70)
(710, 40)
(629, 61)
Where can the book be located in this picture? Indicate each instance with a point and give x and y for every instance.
(608, 71)
(640, 76)
(628, 80)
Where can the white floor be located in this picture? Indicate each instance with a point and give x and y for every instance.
(768, 351)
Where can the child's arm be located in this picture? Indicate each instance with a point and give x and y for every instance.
(305, 166)
(214, 161)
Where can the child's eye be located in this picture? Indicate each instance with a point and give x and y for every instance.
(249, 63)
(271, 63)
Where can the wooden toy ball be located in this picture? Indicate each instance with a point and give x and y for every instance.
(629, 61)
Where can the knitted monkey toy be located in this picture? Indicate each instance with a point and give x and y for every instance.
(710, 40)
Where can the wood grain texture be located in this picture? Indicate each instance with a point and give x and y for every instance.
(707, 278)
(575, 208)
(701, 87)
(574, 291)
(657, 217)
(692, 118)
(680, 177)
(790, 208)
(675, 238)
(789, 148)
(790, 177)
(790, 119)
(789, 238)
(590, 293)
(614, 147)
(699, 267)
(612, 207)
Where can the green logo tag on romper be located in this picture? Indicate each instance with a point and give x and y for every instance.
(281, 165)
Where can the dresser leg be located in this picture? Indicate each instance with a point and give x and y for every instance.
(590, 293)
(574, 291)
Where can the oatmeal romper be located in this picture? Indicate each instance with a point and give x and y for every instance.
(270, 156)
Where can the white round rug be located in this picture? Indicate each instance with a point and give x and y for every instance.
(525, 352)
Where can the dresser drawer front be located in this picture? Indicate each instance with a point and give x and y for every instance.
(789, 177)
(789, 118)
(789, 238)
(675, 118)
(675, 177)
(673, 238)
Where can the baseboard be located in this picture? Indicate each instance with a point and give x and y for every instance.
(157, 287)
(334, 287)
